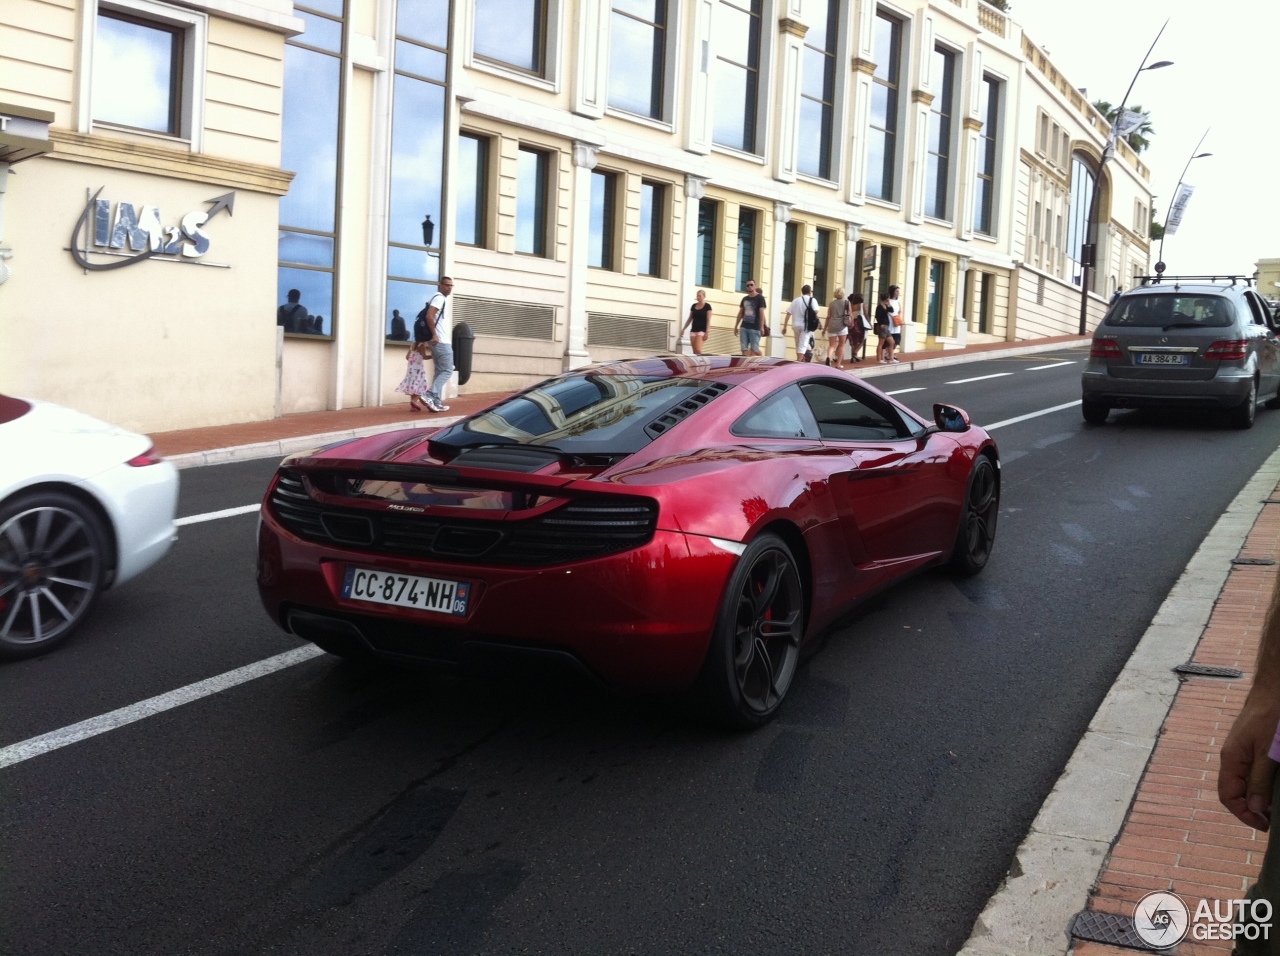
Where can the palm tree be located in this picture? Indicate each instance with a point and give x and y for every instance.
(1140, 138)
(1156, 229)
(999, 4)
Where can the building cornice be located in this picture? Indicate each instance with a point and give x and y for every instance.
(861, 65)
(973, 123)
(793, 27)
(920, 96)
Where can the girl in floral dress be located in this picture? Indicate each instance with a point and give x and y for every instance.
(415, 383)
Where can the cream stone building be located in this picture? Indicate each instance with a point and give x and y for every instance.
(187, 168)
(1269, 278)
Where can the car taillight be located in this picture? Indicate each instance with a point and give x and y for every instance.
(1230, 349)
(148, 457)
(1105, 348)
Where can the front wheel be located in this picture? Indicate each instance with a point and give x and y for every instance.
(1243, 414)
(755, 646)
(52, 550)
(977, 533)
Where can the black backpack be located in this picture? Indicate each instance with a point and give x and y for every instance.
(810, 316)
(420, 331)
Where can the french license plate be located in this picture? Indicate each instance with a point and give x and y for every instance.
(406, 590)
(1159, 358)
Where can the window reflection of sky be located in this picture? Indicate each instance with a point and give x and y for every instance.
(467, 195)
(417, 154)
(317, 294)
(507, 30)
(424, 20)
(635, 65)
(132, 74)
(408, 298)
(531, 189)
(310, 144)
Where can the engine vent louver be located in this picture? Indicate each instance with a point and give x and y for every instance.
(682, 410)
(582, 528)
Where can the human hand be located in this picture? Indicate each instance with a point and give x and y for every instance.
(1245, 772)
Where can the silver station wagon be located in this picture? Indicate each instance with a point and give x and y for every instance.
(1183, 342)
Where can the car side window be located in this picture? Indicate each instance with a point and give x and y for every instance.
(785, 414)
(1257, 308)
(846, 414)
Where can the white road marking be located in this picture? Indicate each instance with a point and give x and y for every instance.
(903, 391)
(74, 733)
(215, 515)
(980, 378)
(1041, 368)
(1023, 418)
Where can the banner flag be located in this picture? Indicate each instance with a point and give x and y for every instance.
(1177, 208)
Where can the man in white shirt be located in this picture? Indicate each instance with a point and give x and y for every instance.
(797, 314)
(440, 327)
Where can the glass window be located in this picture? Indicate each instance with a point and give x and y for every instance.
(652, 208)
(471, 190)
(512, 32)
(708, 220)
(747, 219)
(790, 243)
(882, 141)
(426, 21)
(1082, 180)
(822, 265)
(308, 235)
(985, 187)
(137, 73)
(783, 415)
(818, 92)
(604, 188)
(600, 413)
(1164, 309)
(986, 302)
(845, 416)
(736, 77)
(637, 56)
(531, 201)
(938, 174)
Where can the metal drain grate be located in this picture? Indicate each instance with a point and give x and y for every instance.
(1109, 928)
(1208, 670)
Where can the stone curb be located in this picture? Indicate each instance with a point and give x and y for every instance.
(287, 446)
(1062, 856)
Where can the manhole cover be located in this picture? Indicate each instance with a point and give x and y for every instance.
(1109, 928)
(1208, 670)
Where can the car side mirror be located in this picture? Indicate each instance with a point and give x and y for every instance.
(950, 419)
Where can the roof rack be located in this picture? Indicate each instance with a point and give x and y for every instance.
(1152, 280)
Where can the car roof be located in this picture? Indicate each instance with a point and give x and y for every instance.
(709, 368)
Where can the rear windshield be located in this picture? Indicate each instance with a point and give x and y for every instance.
(589, 413)
(1170, 310)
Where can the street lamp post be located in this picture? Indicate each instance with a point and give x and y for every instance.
(1090, 251)
(1195, 154)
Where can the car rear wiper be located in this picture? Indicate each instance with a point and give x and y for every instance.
(1183, 325)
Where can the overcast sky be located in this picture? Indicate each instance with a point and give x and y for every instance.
(1225, 78)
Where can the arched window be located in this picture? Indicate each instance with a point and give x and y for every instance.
(1082, 180)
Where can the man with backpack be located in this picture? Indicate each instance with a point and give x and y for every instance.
(803, 311)
(292, 314)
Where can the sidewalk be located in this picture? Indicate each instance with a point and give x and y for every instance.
(1136, 810)
(278, 437)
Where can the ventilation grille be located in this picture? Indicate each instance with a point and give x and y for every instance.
(723, 342)
(582, 529)
(1039, 290)
(502, 317)
(625, 332)
(680, 411)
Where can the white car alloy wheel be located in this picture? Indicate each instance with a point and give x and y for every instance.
(51, 561)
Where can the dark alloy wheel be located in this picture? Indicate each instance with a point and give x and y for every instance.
(1242, 415)
(1095, 413)
(977, 533)
(756, 643)
(51, 570)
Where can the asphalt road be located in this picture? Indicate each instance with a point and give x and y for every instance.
(330, 809)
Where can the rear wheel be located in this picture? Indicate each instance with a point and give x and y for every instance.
(52, 557)
(1242, 415)
(977, 533)
(1095, 413)
(756, 643)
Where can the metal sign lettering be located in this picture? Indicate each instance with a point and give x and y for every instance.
(140, 229)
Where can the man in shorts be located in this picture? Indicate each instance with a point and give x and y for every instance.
(797, 313)
(751, 319)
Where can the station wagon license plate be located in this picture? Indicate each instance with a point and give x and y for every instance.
(1161, 358)
(406, 590)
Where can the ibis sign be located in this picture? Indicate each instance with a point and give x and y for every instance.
(114, 235)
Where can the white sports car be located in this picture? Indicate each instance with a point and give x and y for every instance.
(83, 506)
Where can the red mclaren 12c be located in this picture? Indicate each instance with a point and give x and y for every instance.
(666, 524)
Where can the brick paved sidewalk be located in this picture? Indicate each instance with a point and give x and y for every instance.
(190, 440)
(1177, 836)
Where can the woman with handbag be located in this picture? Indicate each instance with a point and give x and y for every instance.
(884, 330)
(859, 326)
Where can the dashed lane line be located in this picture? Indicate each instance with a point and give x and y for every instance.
(74, 733)
(980, 378)
(215, 515)
(903, 391)
(1041, 368)
(1022, 418)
